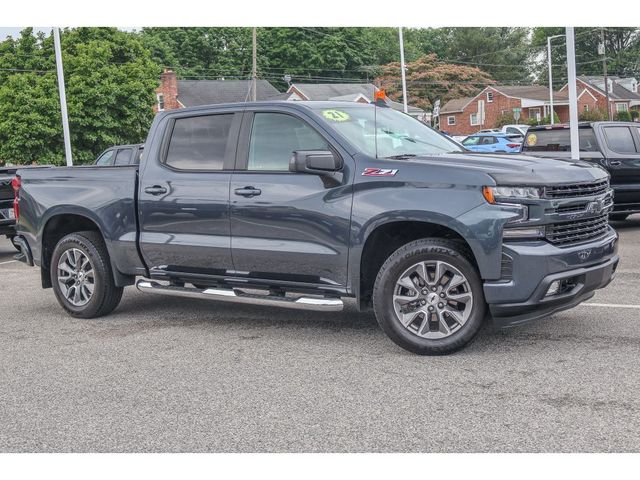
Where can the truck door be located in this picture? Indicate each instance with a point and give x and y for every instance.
(184, 195)
(623, 163)
(286, 225)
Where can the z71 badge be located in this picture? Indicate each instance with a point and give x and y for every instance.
(379, 172)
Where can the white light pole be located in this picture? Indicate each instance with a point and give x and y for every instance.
(63, 97)
(402, 72)
(573, 94)
(551, 76)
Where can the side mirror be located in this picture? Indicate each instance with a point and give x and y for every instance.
(318, 162)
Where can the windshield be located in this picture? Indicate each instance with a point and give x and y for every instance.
(384, 133)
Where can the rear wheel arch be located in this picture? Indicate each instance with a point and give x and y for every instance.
(388, 237)
(57, 227)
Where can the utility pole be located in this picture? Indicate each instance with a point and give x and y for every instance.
(254, 69)
(604, 71)
(63, 97)
(551, 75)
(402, 72)
(573, 94)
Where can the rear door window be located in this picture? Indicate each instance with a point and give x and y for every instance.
(620, 139)
(105, 159)
(199, 143)
(123, 157)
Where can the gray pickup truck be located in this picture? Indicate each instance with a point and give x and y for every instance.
(304, 204)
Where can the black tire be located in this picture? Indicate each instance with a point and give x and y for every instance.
(106, 295)
(428, 249)
(618, 217)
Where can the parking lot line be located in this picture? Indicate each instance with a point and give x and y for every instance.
(610, 305)
(10, 261)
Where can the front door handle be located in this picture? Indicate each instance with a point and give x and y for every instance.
(155, 190)
(248, 191)
(615, 163)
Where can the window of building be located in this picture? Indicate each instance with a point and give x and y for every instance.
(586, 107)
(621, 107)
(274, 138)
(489, 97)
(160, 99)
(199, 143)
(473, 119)
(451, 120)
(620, 139)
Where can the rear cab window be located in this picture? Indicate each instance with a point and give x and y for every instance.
(123, 157)
(105, 159)
(559, 140)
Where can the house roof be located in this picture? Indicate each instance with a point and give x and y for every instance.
(618, 92)
(207, 92)
(456, 105)
(534, 92)
(325, 91)
(346, 92)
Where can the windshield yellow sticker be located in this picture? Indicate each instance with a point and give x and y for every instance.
(335, 115)
(532, 139)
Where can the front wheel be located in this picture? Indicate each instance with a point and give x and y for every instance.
(428, 297)
(82, 278)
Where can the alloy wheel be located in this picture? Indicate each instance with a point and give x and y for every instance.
(76, 278)
(432, 299)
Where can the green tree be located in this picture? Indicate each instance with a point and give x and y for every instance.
(623, 117)
(429, 79)
(110, 81)
(595, 115)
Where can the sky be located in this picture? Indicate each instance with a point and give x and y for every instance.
(15, 31)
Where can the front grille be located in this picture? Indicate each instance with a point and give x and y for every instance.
(576, 189)
(577, 231)
(581, 207)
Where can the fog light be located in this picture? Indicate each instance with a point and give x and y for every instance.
(553, 288)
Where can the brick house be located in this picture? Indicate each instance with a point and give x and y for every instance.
(623, 92)
(173, 93)
(464, 116)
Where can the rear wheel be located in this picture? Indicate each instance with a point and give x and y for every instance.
(82, 278)
(428, 297)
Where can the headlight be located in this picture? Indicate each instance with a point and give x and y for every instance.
(506, 194)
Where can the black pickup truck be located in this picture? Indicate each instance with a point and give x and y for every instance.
(613, 145)
(303, 204)
(7, 215)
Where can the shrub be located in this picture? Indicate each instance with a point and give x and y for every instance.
(596, 115)
(623, 116)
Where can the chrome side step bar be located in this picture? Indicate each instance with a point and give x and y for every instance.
(238, 296)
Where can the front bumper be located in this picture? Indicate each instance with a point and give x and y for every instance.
(536, 265)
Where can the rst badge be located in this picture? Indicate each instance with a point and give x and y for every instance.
(379, 172)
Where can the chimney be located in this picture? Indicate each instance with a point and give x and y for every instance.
(168, 89)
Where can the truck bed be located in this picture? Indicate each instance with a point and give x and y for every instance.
(106, 195)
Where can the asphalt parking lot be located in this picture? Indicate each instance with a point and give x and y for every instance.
(165, 375)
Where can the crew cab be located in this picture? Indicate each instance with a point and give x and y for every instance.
(303, 204)
(613, 145)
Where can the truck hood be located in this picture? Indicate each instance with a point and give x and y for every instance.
(520, 169)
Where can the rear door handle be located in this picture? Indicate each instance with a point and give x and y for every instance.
(155, 190)
(248, 191)
(615, 163)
